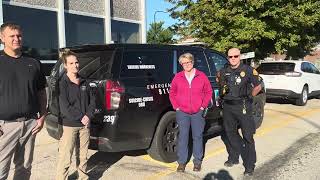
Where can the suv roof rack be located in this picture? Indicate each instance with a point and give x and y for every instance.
(194, 44)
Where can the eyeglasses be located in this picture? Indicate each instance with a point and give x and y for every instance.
(235, 56)
(186, 63)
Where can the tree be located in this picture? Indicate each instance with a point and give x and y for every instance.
(263, 26)
(157, 34)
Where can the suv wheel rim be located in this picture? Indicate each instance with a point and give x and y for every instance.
(304, 95)
(170, 137)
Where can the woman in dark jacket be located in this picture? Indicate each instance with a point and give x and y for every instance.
(77, 106)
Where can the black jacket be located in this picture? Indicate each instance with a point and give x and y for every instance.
(75, 101)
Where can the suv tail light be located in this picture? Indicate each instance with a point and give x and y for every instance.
(113, 94)
(293, 74)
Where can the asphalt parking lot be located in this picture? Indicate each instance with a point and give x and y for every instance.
(283, 126)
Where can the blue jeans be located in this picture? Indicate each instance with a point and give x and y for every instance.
(197, 123)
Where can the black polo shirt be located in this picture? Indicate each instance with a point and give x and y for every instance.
(20, 80)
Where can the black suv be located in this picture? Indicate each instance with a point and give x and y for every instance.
(132, 82)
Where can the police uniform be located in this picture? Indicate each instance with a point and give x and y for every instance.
(236, 88)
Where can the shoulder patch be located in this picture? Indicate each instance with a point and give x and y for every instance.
(242, 74)
(255, 73)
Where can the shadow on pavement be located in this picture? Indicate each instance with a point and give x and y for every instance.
(220, 175)
(99, 162)
(279, 101)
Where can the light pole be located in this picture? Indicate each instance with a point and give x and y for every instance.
(154, 23)
(154, 15)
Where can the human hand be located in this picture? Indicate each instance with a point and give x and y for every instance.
(39, 125)
(202, 108)
(85, 120)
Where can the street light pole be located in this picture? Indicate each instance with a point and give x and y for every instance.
(154, 23)
(154, 15)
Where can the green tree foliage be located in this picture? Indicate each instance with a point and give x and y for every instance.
(157, 34)
(263, 26)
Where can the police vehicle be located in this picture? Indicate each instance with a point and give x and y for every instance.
(131, 83)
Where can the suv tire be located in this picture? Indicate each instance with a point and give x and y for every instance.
(164, 144)
(303, 98)
(258, 109)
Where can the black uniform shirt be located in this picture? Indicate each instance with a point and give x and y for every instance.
(75, 101)
(239, 81)
(20, 81)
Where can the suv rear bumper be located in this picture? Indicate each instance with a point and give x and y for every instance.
(281, 93)
(106, 145)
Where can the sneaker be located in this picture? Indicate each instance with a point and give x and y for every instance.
(248, 172)
(230, 163)
(197, 167)
(181, 168)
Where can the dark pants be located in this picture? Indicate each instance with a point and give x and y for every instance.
(233, 117)
(197, 123)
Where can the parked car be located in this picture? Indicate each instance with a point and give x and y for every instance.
(132, 82)
(293, 80)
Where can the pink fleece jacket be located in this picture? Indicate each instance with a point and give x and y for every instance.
(190, 98)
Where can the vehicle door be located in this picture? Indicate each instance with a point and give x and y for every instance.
(216, 61)
(316, 75)
(146, 74)
(308, 76)
(200, 63)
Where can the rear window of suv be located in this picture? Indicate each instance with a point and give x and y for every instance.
(275, 68)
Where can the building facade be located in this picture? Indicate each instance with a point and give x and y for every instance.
(51, 24)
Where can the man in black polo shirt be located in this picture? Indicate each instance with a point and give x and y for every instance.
(22, 104)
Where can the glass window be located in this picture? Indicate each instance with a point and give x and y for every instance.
(306, 67)
(216, 62)
(314, 69)
(155, 64)
(40, 30)
(275, 68)
(200, 61)
(124, 32)
(84, 30)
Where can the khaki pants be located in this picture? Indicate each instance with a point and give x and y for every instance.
(17, 141)
(66, 145)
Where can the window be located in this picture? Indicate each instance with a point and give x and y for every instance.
(216, 62)
(123, 32)
(95, 64)
(40, 30)
(306, 67)
(84, 30)
(200, 61)
(275, 68)
(314, 69)
(153, 64)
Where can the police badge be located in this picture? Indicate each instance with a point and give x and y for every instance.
(242, 74)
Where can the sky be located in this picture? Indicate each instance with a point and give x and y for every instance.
(158, 5)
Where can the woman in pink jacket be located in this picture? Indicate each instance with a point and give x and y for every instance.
(190, 94)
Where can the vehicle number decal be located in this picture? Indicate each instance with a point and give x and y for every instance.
(109, 118)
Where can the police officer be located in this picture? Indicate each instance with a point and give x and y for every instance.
(239, 83)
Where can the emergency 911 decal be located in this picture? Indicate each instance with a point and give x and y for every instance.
(162, 88)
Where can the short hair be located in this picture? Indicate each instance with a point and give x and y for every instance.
(10, 25)
(66, 53)
(186, 56)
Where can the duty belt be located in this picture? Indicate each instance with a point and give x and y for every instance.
(233, 102)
